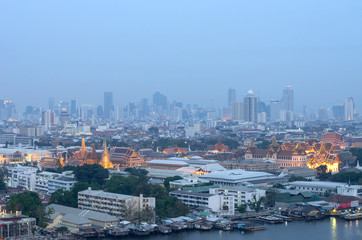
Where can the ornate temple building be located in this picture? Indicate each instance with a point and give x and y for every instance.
(176, 150)
(83, 156)
(335, 139)
(297, 157)
(325, 157)
(105, 161)
(309, 154)
(218, 147)
(125, 157)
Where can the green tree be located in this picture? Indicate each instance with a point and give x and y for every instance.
(30, 204)
(255, 204)
(269, 200)
(167, 181)
(322, 173)
(92, 174)
(241, 208)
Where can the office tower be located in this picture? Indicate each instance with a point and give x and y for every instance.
(108, 107)
(250, 107)
(288, 98)
(237, 111)
(51, 103)
(323, 114)
(73, 107)
(160, 100)
(348, 109)
(338, 112)
(231, 96)
(145, 110)
(275, 109)
(48, 119)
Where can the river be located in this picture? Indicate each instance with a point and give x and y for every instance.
(327, 229)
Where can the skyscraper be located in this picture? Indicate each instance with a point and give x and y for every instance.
(237, 111)
(51, 103)
(338, 112)
(288, 98)
(108, 104)
(48, 119)
(275, 109)
(250, 107)
(160, 101)
(348, 109)
(73, 107)
(231, 96)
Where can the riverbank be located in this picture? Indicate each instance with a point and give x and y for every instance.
(330, 228)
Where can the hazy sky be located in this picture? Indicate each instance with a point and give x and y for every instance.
(191, 51)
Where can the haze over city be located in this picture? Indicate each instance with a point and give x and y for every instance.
(191, 51)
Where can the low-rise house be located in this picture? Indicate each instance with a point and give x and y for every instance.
(77, 218)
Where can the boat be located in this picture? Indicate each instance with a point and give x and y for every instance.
(285, 218)
(164, 229)
(353, 216)
(118, 232)
(271, 219)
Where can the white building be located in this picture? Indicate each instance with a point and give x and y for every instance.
(49, 182)
(320, 188)
(348, 109)
(21, 176)
(45, 182)
(242, 195)
(112, 203)
(240, 177)
(219, 203)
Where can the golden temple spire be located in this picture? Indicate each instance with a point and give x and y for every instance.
(83, 149)
(61, 160)
(105, 162)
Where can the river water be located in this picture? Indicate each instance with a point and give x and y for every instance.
(327, 229)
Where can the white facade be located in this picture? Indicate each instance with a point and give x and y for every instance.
(223, 204)
(112, 203)
(320, 188)
(21, 176)
(242, 195)
(49, 182)
(46, 182)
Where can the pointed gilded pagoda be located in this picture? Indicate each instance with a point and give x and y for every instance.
(105, 162)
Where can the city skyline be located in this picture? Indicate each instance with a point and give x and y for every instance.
(79, 54)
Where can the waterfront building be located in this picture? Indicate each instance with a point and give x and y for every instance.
(118, 205)
(242, 195)
(15, 226)
(78, 218)
(321, 187)
(217, 203)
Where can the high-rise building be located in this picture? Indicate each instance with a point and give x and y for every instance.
(348, 109)
(51, 103)
(338, 112)
(73, 107)
(250, 107)
(323, 114)
(275, 109)
(288, 99)
(159, 101)
(231, 96)
(108, 105)
(237, 111)
(48, 119)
